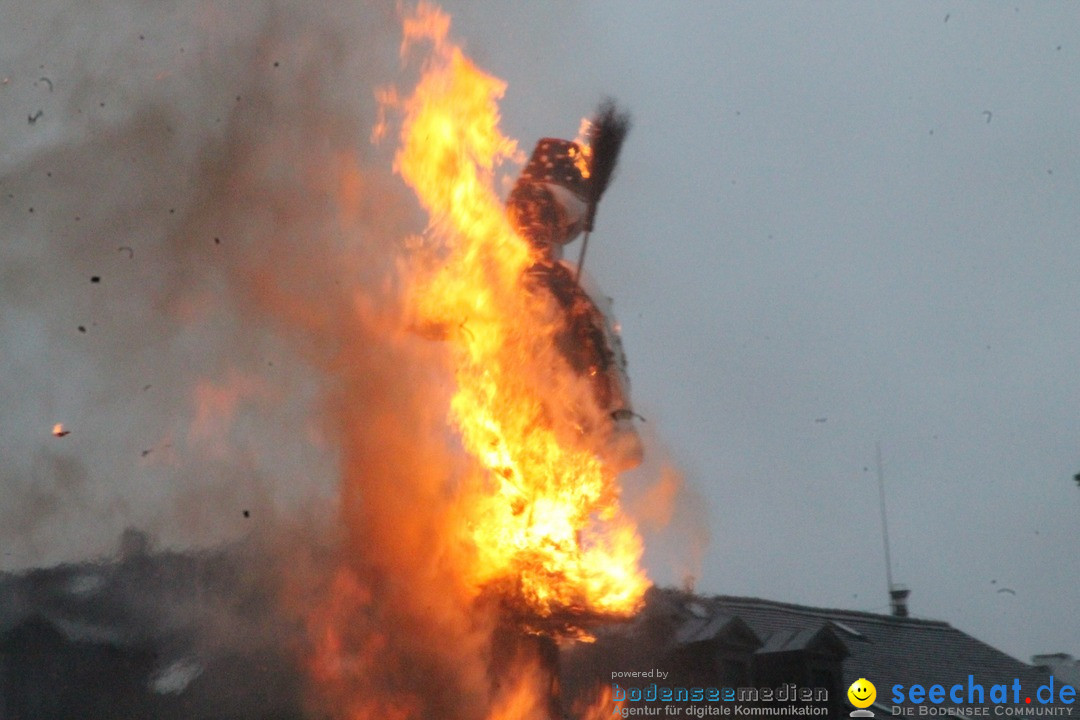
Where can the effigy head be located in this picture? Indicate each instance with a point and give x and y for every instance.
(548, 203)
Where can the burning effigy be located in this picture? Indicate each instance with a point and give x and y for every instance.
(538, 382)
(553, 202)
(540, 399)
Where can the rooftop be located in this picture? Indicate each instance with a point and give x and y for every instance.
(884, 649)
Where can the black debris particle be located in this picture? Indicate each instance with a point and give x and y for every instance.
(31, 209)
(82, 328)
(247, 513)
(101, 104)
(95, 279)
(142, 37)
(217, 241)
(277, 64)
(146, 452)
(172, 210)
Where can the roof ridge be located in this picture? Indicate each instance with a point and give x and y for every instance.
(838, 613)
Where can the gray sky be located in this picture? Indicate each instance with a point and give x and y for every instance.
(834, 225)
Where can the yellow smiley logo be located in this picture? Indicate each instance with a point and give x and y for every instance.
(862, 693)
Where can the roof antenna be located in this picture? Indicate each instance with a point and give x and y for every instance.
(897, 593)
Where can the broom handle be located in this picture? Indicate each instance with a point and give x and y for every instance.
(590, 218)
(581, 258)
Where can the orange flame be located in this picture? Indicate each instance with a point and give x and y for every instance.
(523, 698)
(600, 707)
(541, 511)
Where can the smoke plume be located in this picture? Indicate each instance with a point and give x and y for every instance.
(196, 279)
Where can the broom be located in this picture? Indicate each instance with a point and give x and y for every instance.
(606, 135)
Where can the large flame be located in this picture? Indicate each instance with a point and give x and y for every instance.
(469, 557)
(541, 511)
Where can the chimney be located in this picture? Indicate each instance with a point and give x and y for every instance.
(898, 595)
(1053, 661)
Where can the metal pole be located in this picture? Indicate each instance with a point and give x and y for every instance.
(884, 522)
